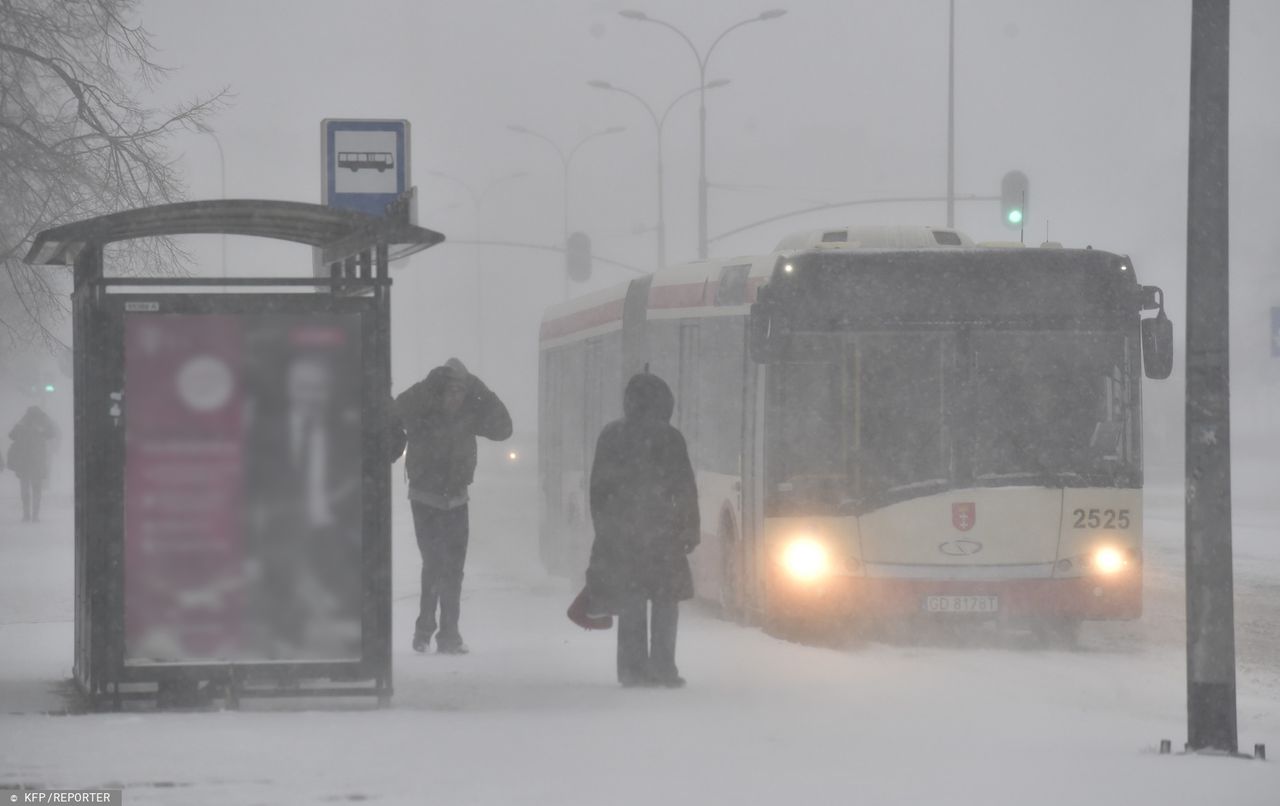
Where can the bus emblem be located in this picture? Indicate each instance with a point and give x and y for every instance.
(964, 547)
(964, 516)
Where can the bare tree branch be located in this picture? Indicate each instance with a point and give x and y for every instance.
(76, 140)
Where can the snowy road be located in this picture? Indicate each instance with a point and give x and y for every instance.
(533, 714)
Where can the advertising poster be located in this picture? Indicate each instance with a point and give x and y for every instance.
(242, 487)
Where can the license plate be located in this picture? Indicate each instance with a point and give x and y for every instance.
(961, 604)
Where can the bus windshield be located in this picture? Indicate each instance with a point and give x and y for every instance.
(1051, 405)
(871, 418)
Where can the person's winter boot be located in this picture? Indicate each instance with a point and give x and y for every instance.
(634, 681)
(666, 677)
(420, 642)
(451, 647)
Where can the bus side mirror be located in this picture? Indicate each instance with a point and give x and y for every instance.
(1157, 346)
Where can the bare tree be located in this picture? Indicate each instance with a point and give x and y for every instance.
(76, 140)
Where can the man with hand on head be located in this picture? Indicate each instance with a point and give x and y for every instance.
(442, 416)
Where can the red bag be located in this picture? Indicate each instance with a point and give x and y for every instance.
(577, 613)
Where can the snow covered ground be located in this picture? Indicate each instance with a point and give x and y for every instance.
(533, 714)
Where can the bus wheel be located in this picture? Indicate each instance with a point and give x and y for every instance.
(732, 605)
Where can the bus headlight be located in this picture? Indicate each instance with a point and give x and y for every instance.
(1109, 560)
(806, 560)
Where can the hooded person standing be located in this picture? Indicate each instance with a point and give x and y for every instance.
(644, 506)
(29, 457)
(442, 415)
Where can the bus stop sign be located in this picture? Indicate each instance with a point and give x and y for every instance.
(364, 163)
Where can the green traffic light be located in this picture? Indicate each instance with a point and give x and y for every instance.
(48, 387)
(1015, 216)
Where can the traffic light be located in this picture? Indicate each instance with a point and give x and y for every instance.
(1013, 199)
(577, 257)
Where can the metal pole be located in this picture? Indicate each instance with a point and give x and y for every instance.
(702, 159)
(1211, 654)
(951, 117)
(662, 220)
(479, 300)
(564, 271)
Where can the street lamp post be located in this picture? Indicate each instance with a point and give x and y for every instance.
(477, 198)
(951, 117)
(702, 59)
(566, 160)
(659, 122)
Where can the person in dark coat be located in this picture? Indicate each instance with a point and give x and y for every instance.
(29, 457)
(644, 505)
(442, 415)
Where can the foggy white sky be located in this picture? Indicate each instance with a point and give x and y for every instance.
(840, 99)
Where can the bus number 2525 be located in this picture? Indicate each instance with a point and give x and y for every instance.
(1101, 518)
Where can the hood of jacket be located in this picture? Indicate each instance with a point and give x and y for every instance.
(648, 397)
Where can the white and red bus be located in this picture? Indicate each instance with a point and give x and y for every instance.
(885, 423)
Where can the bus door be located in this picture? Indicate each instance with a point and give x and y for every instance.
(594, 373)
(687, 388)
(751, 527)
(550, 461)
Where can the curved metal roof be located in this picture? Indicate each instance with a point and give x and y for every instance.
(311, 224)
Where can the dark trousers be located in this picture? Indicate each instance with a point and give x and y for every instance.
(31, 490)
(647, 644)
(442, 540)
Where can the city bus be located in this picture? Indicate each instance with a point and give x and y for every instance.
(887, 424)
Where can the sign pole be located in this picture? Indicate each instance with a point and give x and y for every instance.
(1211, 658)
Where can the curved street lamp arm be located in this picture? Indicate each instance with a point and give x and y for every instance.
(544, 138)
(657, 123)
(672, 105)
(702, 64)
(583, 142)
(727, 31)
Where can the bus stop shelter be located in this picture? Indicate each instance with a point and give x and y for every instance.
(233, 441)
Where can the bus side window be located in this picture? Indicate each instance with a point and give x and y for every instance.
(732, 287)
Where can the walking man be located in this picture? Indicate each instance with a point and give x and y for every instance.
(442, 416)
(644, 505)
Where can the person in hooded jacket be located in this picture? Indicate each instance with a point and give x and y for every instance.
(29, 457)
(644, 506)
(442, 415)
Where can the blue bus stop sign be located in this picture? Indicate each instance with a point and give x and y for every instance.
(364, 163)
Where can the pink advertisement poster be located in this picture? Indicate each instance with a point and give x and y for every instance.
(242, 488)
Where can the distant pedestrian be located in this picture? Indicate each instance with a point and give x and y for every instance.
(29, 457)
(644, 505)
(442, 415)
